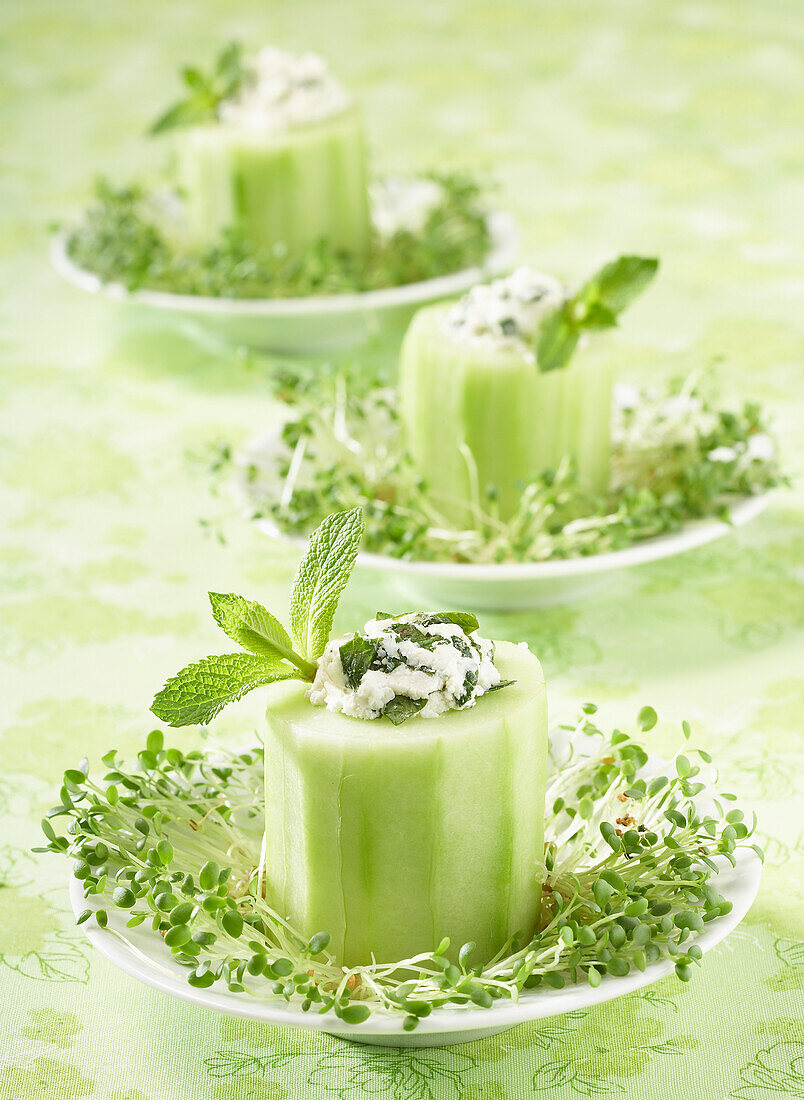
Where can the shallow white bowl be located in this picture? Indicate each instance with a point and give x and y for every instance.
(142, 954)
(300, 326)
(514, 587)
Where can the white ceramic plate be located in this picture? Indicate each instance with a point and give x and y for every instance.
(300, 326)
(143, 955)
(509, 587)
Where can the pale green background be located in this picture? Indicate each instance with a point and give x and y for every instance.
(658, 126)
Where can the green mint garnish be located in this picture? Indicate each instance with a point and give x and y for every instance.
(557, 340)
(400, 708)
(207, 91)
(409, 632)
(502, 684)
(356, 658)
(618, 283)
(597, 305)
(464, 619)
(201, 690)
(196, 694)
(469, 685)
(255, 629)
(322, 576)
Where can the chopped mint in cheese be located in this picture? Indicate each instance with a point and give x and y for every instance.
(404, 665)
(506, 311)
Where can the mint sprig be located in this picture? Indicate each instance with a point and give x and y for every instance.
(255, 629)
(207, 91)
(321, 578)
(597, 305)
(201, 690)
(196, 694)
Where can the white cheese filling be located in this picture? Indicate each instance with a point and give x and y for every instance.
(450, 674)
(400, 205)
(759, 448)
(283, 90)
(506, 312)
(676, 421)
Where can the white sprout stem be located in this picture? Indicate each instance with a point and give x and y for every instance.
(474, 481)
(293, 472)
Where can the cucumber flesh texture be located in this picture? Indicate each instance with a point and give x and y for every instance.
(296, 187)
(515, 421)
(391, 837)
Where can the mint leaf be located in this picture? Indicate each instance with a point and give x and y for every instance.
(356, 657)
(596, 306)
(197, 693)
(187, 113)
(206, 92)
(464, 619)
(201, 690)
(409, 632)
(557, 340)
(497, 687)
(596, 316)
(400, 708)
(322, 576)
(229, 69)
(194, 79)
(618, 283)
(469, 685)
(254, 628)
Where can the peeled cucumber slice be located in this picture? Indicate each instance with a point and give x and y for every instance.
(477, 417)
(392, 837)
(295, 187)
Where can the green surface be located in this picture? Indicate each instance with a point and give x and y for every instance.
(672, 129)
(478, 419)
(392, 837)
(291, 189)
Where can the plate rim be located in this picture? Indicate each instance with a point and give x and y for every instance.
(505, 244)
(532, 1005)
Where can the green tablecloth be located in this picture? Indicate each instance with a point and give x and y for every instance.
(645, 126)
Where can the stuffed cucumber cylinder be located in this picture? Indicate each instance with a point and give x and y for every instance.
(404, 792)
(481, 420)
(282, 164)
